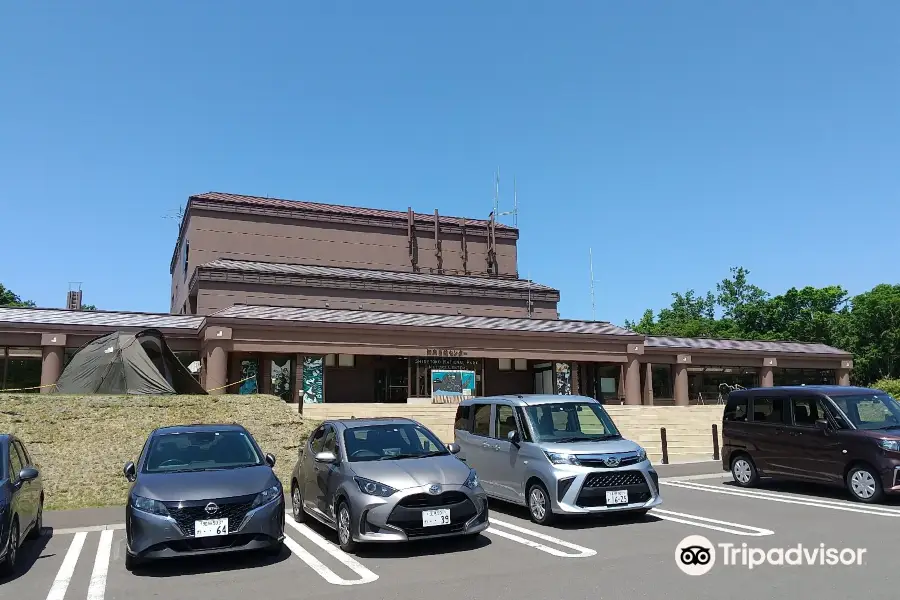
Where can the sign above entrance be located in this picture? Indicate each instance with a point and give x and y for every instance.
(445, 352)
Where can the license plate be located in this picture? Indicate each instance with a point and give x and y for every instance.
(617, 497)
(432, 518)
(210, 527)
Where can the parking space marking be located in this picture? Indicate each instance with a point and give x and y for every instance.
(707, 523)
(365, 575)
(90, 529)
(67, 569)
(97, 588)
(582, 552)
(881, 511)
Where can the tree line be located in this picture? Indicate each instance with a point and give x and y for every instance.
(867, 325)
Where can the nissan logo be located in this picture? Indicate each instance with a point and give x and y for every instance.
(211, 508)
(611, 461)
(434, 489)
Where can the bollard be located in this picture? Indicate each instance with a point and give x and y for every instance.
(665, 445)
(715, 429)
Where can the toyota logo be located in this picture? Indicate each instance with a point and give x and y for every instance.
(211, 508)
(611, 461)
(434, 489)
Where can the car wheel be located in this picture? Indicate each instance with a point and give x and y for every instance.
(539, 504)
(35, 532)
(297, 504)
(8, 566)
(744, 471)
(864, 484)
(344, 529)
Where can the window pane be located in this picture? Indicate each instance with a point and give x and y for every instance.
(462, 418)
(768, 410)
(15, 463)
(736, 410)
(506, 421)
(807, 411)
(23, 369)
(482, 420)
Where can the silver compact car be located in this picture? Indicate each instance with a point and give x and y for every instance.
(385, 480)
(201, 489)
(555, 455)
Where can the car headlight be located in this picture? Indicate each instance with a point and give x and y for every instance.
(562, 458)
(373, 488)
(892, 445)
(472, 480)
(148, 505)
(266, 496)
(642, 454)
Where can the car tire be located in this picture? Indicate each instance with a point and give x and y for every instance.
(344, 528)
(539, 504)
(864, 484)
(8, 566)
(297, 504)
(35, 532)
(744, 471)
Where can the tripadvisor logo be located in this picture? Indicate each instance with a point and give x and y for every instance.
(696, 555)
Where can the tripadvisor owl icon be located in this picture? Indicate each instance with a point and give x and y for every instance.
(695, 555)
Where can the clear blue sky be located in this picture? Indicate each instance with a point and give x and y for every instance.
(675, 138)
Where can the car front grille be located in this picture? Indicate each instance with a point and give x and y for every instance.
(407, 515)
(614, 479)
(186, 513)
(598, 463)
(432, 501)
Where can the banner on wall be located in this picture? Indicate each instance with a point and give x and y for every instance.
(452, 383)
(249, 373)
(563, 379)
(313, 379)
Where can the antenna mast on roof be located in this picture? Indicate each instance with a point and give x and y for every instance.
(515, 211)
(591, 254)
(530, 307)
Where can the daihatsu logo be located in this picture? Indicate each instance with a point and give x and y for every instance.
(611, 461)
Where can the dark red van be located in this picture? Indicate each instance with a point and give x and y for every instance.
(834, 435)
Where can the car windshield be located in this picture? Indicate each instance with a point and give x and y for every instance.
(391, 442)
(565, 422)
(870, 411)
(201, 451)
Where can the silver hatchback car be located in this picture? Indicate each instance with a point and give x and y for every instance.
(386, 480)
(555, 455)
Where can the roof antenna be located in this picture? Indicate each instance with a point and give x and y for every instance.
(515, 211)
(530, 306)
(591, 255)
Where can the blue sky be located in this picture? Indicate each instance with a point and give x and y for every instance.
(677, 139)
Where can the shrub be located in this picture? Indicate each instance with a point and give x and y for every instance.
(889, 385)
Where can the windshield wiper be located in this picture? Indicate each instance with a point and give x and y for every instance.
(399, 456)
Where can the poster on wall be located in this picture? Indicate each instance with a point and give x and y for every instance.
(249, 372)
(452, 383)
(563, 379)
(313, 379)
(281, 377)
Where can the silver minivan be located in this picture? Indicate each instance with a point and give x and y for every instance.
(555, 455)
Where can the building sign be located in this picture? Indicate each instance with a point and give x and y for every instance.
(452, 385)
(445, 352)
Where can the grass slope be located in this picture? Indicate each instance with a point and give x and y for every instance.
(81, 442)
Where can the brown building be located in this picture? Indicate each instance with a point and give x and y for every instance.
(325, 303)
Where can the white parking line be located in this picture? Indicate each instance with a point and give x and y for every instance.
(582, 552)
(97, 588)
(707, 523)
(366, 576)
(69, 530)
(881, 511)
(67, 569)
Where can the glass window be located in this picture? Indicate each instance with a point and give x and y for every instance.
(201, 450)
(526, 433)
(768, 410)
(736, 409)
(807, 410)
(15, 463)
(870, 411)
(662, 381)
(482, 420)
(506, 421)
(317, 441)
(330, 443)
(22, 369)
(570, 422)
(462, 418)
(391, 442)
(26, 459)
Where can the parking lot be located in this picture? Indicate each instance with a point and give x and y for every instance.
(596, 558)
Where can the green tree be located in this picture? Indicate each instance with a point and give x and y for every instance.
(873, 332)
(8, 298)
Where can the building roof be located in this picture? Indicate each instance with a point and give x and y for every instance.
(399, 319)
(90, 318)
(374, 275)
(681, 343)
(339, 209)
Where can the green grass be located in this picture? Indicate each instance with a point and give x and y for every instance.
(80, 443)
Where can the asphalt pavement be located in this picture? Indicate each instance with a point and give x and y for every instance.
(81, 554)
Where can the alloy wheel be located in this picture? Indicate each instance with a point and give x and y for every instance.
(12, 554)
(538, 503)
(296, 503)
(863, 484)
(344, 525)
(742, 471)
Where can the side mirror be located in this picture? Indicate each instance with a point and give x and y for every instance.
(326, 457)
(28, 474)
(130, 471)
(822, 425)
(270, 460)
(513, 437)
(453, 448)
